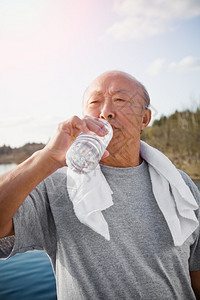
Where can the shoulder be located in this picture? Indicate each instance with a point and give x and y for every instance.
(53, 187)
(57, 177)
(193, 187)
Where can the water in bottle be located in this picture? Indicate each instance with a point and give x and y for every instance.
(86, 151)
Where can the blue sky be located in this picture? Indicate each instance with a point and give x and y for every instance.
(51, 50)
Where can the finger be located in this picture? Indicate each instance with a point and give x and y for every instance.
(97, 126)
(106, 154)
(82, 126)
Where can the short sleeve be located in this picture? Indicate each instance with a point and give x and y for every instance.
(33, 223)
(6, 246)
(194, 260)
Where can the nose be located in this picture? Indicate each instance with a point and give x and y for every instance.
(107, 112)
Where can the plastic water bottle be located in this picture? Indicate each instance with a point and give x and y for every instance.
(86, 151)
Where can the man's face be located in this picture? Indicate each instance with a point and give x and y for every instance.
(118, 98)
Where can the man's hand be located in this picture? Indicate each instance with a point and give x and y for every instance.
(67, 132)
(17, 184)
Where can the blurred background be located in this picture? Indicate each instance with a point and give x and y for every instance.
(51, 50)
(49, 53)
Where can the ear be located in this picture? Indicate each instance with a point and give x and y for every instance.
(146, 119)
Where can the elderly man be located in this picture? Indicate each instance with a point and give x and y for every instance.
(140, 261)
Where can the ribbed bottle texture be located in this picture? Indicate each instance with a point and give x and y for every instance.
(86, 151)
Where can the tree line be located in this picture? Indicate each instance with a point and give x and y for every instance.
(177, 136)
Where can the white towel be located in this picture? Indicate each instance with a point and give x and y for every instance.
(173, 196)
(90, 194)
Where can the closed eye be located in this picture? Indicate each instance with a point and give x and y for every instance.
(94, 102)
(120, 99)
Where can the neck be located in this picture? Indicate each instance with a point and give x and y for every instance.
(123, 156)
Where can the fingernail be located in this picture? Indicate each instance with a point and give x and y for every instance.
(104, 130)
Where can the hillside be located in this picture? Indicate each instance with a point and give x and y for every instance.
(17, 155)
(178, 136)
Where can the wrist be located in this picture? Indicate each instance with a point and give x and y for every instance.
(49, 160)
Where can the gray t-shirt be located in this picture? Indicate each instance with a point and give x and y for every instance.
(140, 260)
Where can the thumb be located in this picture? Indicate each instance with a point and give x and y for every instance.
(106, 154)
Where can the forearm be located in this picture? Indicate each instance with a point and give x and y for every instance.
(195, 280)
(16, 185)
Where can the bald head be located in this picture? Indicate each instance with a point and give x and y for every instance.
(119, 98)
(116, 75)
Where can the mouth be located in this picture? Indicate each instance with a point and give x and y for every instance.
(114, 126)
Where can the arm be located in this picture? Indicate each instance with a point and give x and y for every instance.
(16, 184)
(195, 280)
